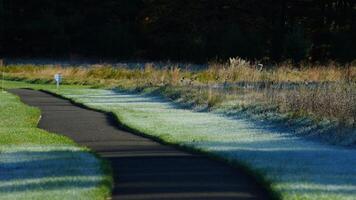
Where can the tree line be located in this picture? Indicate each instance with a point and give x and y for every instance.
(191, 30)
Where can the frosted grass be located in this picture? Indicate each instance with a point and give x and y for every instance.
(48, 172)
(298, 168)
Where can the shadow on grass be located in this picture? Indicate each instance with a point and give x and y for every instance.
(36, 170)
(297, 166)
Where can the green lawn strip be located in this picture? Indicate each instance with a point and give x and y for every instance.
(9, 84)
(35, 164)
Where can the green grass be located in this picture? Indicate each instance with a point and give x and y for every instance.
(35, 164)
(22, 84)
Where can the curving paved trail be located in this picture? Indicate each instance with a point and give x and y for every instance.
(143, 169)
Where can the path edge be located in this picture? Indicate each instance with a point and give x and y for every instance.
(105, 165)
(258, 176)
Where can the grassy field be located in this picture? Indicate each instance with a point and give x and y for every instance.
(236, 70)
(35, 164)
(296, 168)
(315, 100)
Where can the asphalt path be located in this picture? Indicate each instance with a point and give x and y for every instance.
(143, 169)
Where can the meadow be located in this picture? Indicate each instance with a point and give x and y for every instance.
(317, 100)
(35, 164)
(292, 167)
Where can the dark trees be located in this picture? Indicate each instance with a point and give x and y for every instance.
(194, 30)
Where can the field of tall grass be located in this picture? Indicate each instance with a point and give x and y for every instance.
(320, 94)
(236, 70)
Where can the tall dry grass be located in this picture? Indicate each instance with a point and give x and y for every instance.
(236, 70)
(333, 99)
(239, 70)
(334, 102)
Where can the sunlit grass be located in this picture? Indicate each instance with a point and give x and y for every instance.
(35, 164)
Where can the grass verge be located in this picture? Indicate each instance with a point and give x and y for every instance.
(36, 164)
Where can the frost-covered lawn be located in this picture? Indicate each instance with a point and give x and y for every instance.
(35, 164)
(298, 168)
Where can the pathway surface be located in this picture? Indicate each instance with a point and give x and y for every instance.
(143, 169)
